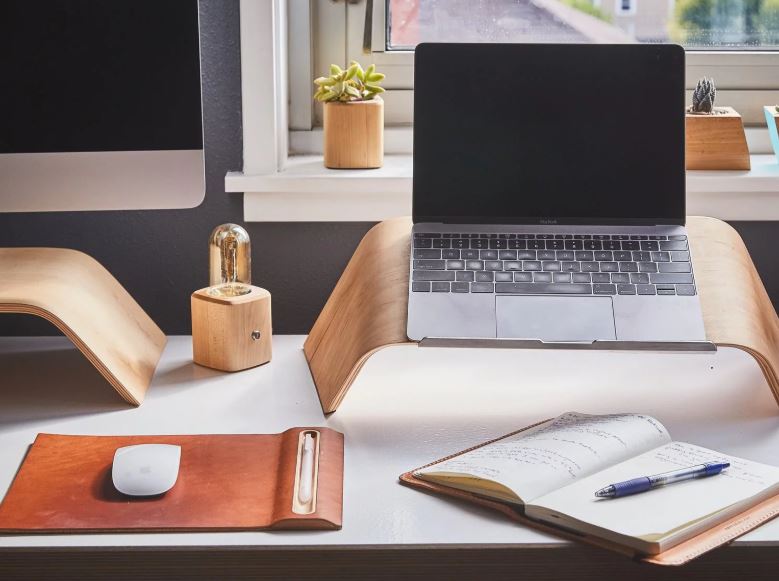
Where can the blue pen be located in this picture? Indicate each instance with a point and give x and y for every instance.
(645, 483)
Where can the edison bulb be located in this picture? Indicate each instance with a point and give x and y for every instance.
(230, 261)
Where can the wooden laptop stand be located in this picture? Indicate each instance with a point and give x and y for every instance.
(77, 295)
(367, 309)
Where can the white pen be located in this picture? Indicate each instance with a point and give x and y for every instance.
(306, 482)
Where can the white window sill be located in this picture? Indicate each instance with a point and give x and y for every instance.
(305, 191)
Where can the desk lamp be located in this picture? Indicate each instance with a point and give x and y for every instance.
(231, 319)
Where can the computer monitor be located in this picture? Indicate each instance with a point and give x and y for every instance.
(101, 105)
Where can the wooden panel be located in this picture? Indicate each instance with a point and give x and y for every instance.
(81, 298)
(716, 141)
(368, 307)
(354, 134)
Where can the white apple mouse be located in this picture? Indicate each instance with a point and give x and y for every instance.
(146, 469)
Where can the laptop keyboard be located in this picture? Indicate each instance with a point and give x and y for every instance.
(559, 264)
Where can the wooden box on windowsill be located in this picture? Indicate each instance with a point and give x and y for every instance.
(354, 134)
(716, 141)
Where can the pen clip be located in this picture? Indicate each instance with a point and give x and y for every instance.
(306, 473)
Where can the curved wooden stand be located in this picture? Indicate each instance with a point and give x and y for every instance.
(75, 293)
(367, 309)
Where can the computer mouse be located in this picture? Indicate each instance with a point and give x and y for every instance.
(146, 469)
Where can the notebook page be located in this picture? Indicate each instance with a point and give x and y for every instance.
(657, 514)
(556, 453)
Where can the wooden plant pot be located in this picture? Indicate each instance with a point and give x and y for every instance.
(716, 141)
(354, 134)
(772, 118)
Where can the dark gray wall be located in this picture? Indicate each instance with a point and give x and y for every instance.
(160, 256)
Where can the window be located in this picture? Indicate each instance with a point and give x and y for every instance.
(734, 41)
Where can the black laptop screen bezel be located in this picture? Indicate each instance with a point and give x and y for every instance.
(429, 55)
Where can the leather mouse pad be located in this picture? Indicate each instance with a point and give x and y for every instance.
(225, 482)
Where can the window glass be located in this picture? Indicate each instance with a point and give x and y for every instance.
(696, 24)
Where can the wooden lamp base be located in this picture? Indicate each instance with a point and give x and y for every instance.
(231, 333)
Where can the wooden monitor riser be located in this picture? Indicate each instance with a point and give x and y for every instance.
(75, 293)
(367, 309)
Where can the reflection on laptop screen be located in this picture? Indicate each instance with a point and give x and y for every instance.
(519, 133)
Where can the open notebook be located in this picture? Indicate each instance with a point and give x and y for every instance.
(551, 472)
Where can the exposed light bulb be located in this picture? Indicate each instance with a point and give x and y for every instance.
(230, 261)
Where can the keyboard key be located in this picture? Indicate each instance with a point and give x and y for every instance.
(461, 243)
(622, 255)
(526, 255)
(648, 246)
(639, 278)
(647, 267)
(609, 267)
(433, 275)
(655, 237)
(673, 245)
(440, 287)
(645, 289)
(544, 236)
(604, 289)
(593, 245)
(455, 264)
(504, 277)
(542, 288)
(523, 277)
(561, 277)
(493, 265)
(620, 277)
(429, 264)
(542, 277)
(678, 237)
(574, 245)
(464, 276)
(626, 289)
(484, 287)
(667, 278)
(512, 265)
(426, 235)
(484, 276)
(531, 265)
(474, 264)
(680, 256)
(507, 254)
(465, 254)
(589, 266)
(641, 256)
(601, 277)
(620, 237)
(479, 243)
(517, 244)
(460, 287)
(628, 267)
(572, 266)
(630, 245)
(581, 277)
(442, 243)
(423, 243)
(565, 255)
(685, 290)
(661, 257)
(551, 266)
(546, 255)
(555, 245)
(449, 253)
(674, 267)
(605, 255)
(488, 254)
(611, 245)
(420, 287)
(536, 244)
(666, 289)
(427, 253)
(585, 255)
(499, 243)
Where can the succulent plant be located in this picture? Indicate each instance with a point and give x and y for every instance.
(349, 84)
(703, 96)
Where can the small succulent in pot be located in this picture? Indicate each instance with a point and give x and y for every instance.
(349, 84)
(703, 96)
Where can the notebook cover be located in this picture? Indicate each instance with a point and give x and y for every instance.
(682, 553)
(225, 482)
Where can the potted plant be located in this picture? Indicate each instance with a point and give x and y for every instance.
(715, 135)
(353, 116)
(772, 118)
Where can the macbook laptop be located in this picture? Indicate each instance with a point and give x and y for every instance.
(549, 195)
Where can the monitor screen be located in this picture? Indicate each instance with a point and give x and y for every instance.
(102, 104)
(545, 134)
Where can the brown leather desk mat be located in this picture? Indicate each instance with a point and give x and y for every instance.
(716, 536)
(226, 482)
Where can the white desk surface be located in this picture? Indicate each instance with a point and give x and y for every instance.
(408, 406)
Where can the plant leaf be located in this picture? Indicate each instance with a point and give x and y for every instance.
(375, 77)
(353, 92)
(335, 70)
(369, 71)
(351, 72)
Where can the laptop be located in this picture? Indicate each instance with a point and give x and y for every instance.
(549, 195)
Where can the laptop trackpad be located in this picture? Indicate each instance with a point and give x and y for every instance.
(555, 318)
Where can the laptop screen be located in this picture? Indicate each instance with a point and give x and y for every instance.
(549, 134)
